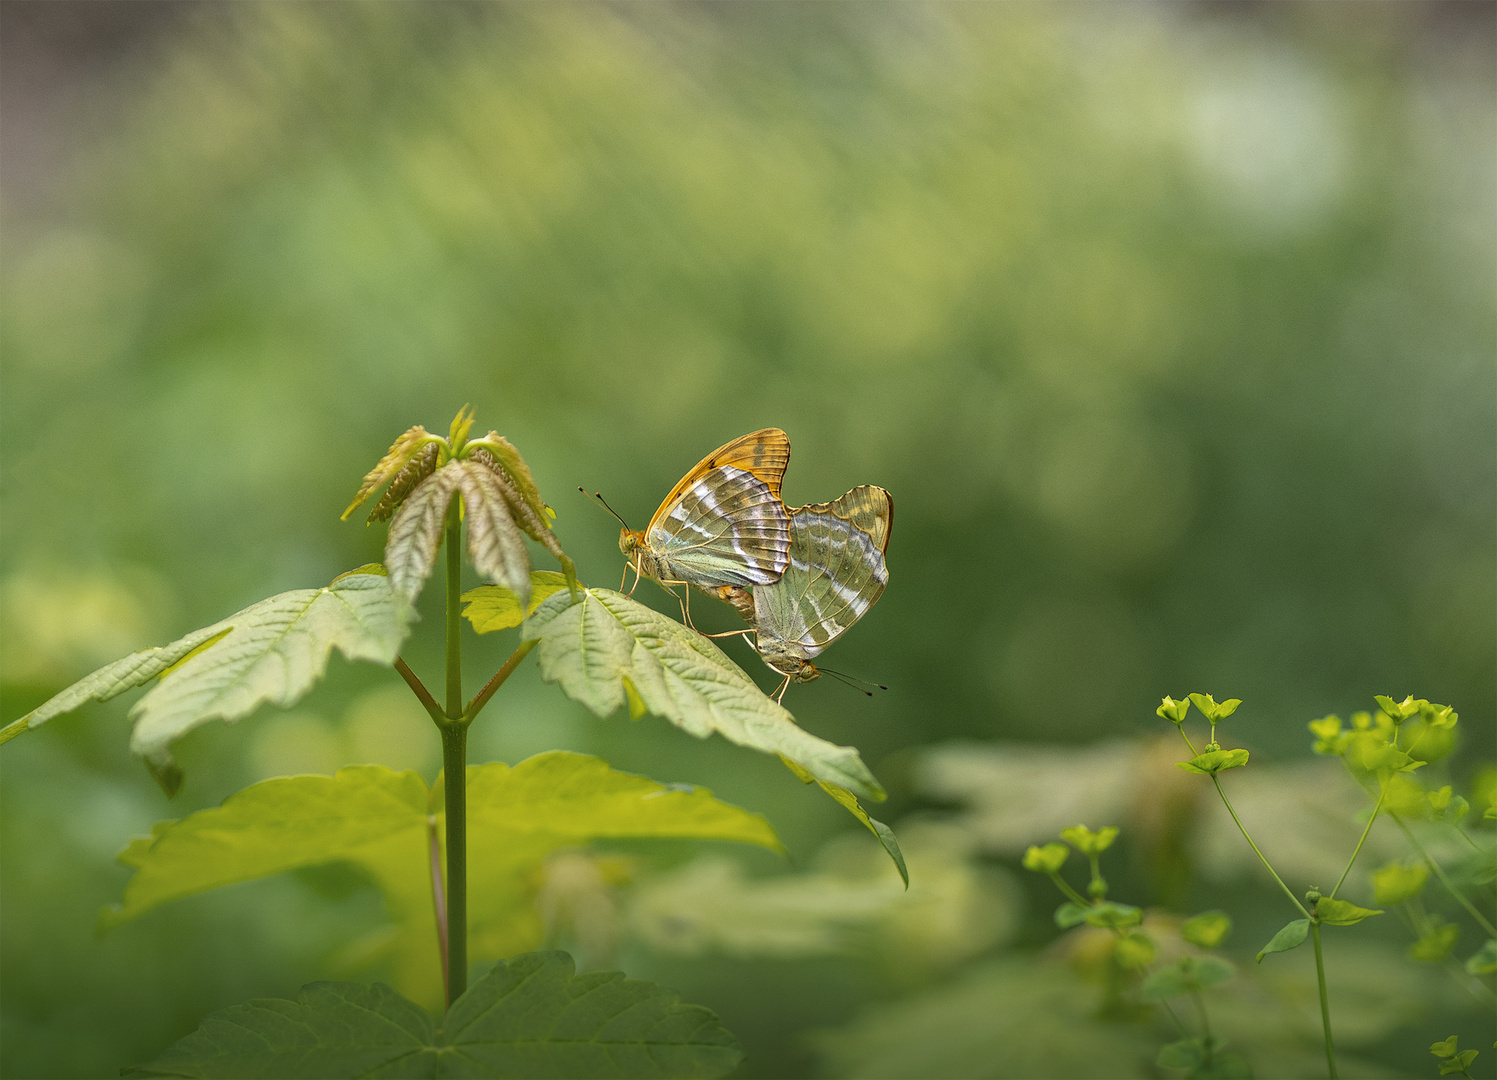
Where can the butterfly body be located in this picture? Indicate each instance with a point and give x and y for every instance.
(835, 574)
(723, 525)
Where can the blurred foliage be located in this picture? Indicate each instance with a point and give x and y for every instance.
(1170, 328)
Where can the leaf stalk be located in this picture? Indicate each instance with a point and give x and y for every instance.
(1325, 1001)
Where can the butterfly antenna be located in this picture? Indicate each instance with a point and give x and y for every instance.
(598, 498)
(853, 681)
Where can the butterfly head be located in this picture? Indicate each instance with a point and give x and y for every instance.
(629, 541)
(785, 658)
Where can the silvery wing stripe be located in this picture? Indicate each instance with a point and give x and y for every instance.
(727, 528)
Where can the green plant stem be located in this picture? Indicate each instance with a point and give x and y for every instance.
(1205, 1022)
(438, 899)
(1325, 1001)
(1287, 891)
(455, 781)
(476, 705)
(1481, 919)
(1381, 796)
(1066, 890)
(422, 693)
(1189, 745)
(454, 615)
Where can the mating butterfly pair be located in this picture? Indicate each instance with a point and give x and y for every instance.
(813, 570)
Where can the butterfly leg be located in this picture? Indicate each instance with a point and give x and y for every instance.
(685, 604)
(728, 633)
(779, 696)
(633, 563)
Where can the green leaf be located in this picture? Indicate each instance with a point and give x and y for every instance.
(1210, 970)
(1088, 842)
(1435, 943)
(1445, 1047)
(1214, 761)
(1182, 1054)
(495, 545)
(495, 542)
(1484, 960)
(377, 820)
(1070, 914)
(1172, 710)
(1046, 860)
(400, 453)
(1134, 951)
(493, 607)
(1340, 913)
(1207, 929)
(1396, 882)
(847, 799)
(274, 651)
(528, 1017)
(1459, 1063)
(591, 646)
(1111, 916)
(1291, 936)
(1166, 983)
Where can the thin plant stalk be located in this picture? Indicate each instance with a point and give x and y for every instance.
(1325, 1001)
(1381, 796)
(1434, 866)
(1261, 858)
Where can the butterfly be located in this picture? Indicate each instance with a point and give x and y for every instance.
(723, 525)
(836, 573)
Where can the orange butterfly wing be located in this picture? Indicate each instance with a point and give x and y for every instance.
(764, 453)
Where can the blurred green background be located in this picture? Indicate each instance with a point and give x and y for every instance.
(1170, 327)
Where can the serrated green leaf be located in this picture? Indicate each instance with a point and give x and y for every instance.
(416, 531)
(1341, 913)
(589, 647)
(1214, 761)
(493, 607)
(1484, 960)
(1291, 936)
(377, 820)
(401, 451)
(528, 1017)
(886, 837)
(1206, 929)
(495, 542)
(274, 651)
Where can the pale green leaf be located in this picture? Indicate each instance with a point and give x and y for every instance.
(1291, 936)
(275, 650)
(377, 820)
(400, 453)
(1214, 761)
(495, 543)
(1341, 913)
(415, 533)
(590, 647)
(493, 607)
(531, 1016)
(886, 838)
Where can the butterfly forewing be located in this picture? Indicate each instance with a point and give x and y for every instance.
(725, 528)
(764, 454)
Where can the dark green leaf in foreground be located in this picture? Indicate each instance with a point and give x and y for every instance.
(493, 607)
(606, 649)
(528, 1017)
(274, 651)
(1291, 936)
(849, 801)
(377, 820)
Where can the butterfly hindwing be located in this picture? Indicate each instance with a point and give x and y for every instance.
(836, 573)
